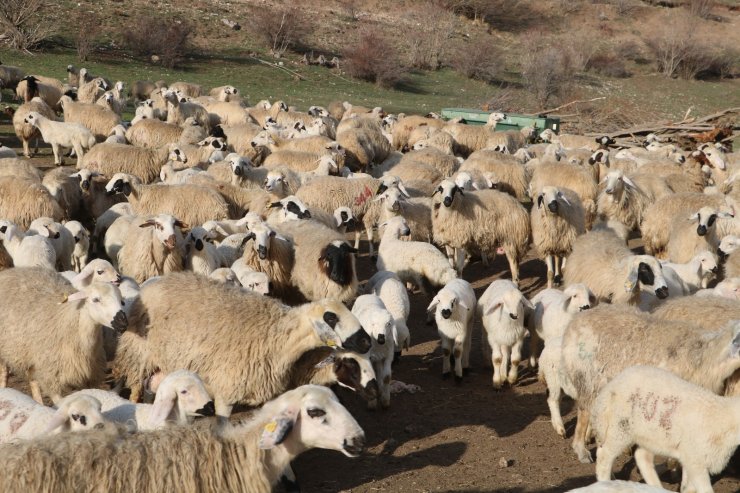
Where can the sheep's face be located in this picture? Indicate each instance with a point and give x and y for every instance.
(317, 111)
(312, 417)
(263, 139)
(510, 304)
(728, 245)
(337, 262)
(715, 157)
(605, 140)
(99, 270)
(397, 226)
(614, 183)
(579, 298)
(292, 209)
(387, 181)
(177, 154)
(420, 144)
(464, 181)
(707, 218)
(239, 165)
(32, 118)
(217, 143)
(257, 282)
(85, 176)
(335, 325)
(45, 226)
(103, 304)
(82, 412)
(188, 390)
(447, 190)
(446, 304)
(274, 181)
(77, 230)
(599, 157)
(552, 198)
(707, 264)
(729, 288)
(7, 230)
(356, 372)
(547, 135)
(391, 199)
(343, 217)
(262, 236)
(164, 227)
(648, 272)
(198, 237)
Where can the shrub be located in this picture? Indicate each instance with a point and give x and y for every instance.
(280, 28)
(608, 64)
(89, 29)
(504, 15)
(26, 23)
(630, 50)
(701, 8)
(544, 70)
(167, 39)
(374, 59)
(479, 58)
(428, 44)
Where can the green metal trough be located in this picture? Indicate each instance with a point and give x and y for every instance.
(511, 122)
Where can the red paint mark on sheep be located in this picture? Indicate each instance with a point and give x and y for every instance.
(17, 421)
(364, 196)
(5, 408)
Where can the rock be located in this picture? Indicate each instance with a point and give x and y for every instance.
(503, 462)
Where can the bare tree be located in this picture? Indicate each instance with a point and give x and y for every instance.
(26, 23)
(280, 28)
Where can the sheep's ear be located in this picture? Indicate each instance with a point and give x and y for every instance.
(326, 333)
(148, 223)
(275, 205)
(86, 272)
(164, 402)
(59, 418)
(181, 224)
(433, 305)
(561, 196)
(725, 215)
(493, 306)
(79, 295)
(250, 236)
(218, 229)
(380, 197)
(527, 304)
(463, 304)
(403, 190)
(540, 201)
(277, 430)
(694, 217)
(629, 182)
(631, 282)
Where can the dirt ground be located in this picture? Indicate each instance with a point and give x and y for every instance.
(455, 438)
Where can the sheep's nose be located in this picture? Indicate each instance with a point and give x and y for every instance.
(722, 255)
(609, 191)
(446, 313)
(662, 293)
(381, 339)
(584, 307)
(118, 280)
(447, 201)
(208, 410)
(262, 252)
(238, 171)
(85, 184)
(120, 322)
(513, 316)
(199, 244)
(701, 230)
(254, 144)
(714, 269)
(553, 206)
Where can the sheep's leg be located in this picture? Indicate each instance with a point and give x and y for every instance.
(553, 401)
(26, 148)
(460, 260)
(646, 465)
(36, 392)
(534, 342)
(36, 146)
(698, 477)
(446, 351)
(458, 353)
(513, 266)
(498, 359)
(558, 270)
(550, 263)
(371, 247)
(516, 358)
(57, 158)
(136, 390)
(372, 404)
(419, 280)
(3, 375)
(79, 152)
(357, 239)
(605, 457)
(579, 437)
(450, 252)
(385, 386)
(467, 344)
(223, 408)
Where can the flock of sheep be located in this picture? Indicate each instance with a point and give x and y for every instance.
(199, 252)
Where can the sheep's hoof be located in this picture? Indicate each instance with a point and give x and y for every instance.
(584, 456)
(458, 379)
(558, 280)
(447, 375)
(560, 431)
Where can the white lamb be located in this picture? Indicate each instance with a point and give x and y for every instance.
(61, 239)
(412, 261)
(27, 250)
(696, 273)
(82, 244)
(62, 135)
(378, 322)
(453, 307)
(202, 255)
(502, 309)
(180, 397)
(392, 291)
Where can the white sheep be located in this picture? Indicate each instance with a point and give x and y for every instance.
(62, 135)
(389, 288)
(27, 250)
(412, 261)
(202, 255)
(690, 235)
(225, 275)
(51, 334)
(618, 486)
(698, 272)
(453, 307)
(622, 200)
(61, 239)
(82, 244)
(729, 288)
(378, 322)
(502, 310)
(23, 418)
(665, 415)
(180, 397)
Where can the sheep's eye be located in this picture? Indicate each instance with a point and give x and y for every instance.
(184, 391)
(100, 272)
(76, 417)
(96, 300)
(123, 303)
(316, 413)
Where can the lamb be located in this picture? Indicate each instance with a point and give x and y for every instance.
(180, 397)
(152, 247)
(416, 211)
(335, 274)
(271, 254)
(256, 329)
(249, 457)
(62, 135)
(257, 282)
(453, 308)
(594, 352)
(697, 272)
(658, 217)
(25, 419)
(192, 203)
(99, 119)
(502, 310)
(61, 239)
(622, 200)
(27, 250)
(618, 486)
(65, 322)
(574, 177)
(389, 288)
(225, 275)
(203, 257)
(363, 142)
(22, 200)
(553, 311)
(142, 89)
(89, 92)
(686, 240)
(481, 222)
(145, 164)
(555, 228)
(27, 131)
(602, 261)
(625, 415)
(377, 320)
(412, 261)
(117, 135)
